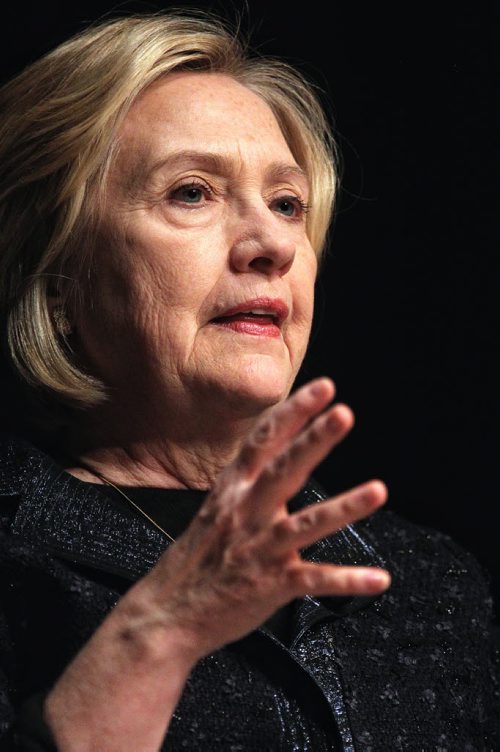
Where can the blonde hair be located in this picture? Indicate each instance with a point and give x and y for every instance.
(59, 123)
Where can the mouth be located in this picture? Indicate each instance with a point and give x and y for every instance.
(260, 317)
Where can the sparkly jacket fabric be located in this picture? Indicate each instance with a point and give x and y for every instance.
(411, 670)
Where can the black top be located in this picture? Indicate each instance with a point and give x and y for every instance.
(173, 509)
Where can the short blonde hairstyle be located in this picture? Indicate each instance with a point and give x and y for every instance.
(57, 133)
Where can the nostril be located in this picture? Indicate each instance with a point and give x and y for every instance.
(262, 251)
(262, 262)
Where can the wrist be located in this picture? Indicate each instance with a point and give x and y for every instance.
(124, 684)
(152, 633)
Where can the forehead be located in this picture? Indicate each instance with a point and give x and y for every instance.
(202, 110)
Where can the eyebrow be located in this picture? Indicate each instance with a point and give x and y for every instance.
(219, 164)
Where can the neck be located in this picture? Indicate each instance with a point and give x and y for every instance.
(169, 453)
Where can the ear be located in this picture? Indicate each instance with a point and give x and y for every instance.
(59, 316)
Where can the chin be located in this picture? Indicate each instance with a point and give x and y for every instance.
(257, 385)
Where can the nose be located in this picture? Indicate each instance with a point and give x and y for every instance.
(262, 242)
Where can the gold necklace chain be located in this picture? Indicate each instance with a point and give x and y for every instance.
(132, 503)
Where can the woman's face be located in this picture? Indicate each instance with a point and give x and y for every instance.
(204, 275)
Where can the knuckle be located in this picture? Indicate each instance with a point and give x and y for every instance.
(263, 433)
(238, 556)
(214, 509)
(322, 516)
(314, 435)
(207, 515)
(217, 497)
(344, 507)
(282, 529)
(295, 451)
(221, 525)
(300, 580)
(226, 521)
(224, 503)
(294, 577)
(305, 521)
(349, 582)
(280, 465)
(245, 457)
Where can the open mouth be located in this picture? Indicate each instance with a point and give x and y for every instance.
(261, 317)
(257, 324)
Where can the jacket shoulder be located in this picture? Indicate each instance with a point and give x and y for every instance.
(426, 563)
(17, 458)
(428, 646)
(397, 537)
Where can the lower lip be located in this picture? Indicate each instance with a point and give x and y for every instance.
(251, 327)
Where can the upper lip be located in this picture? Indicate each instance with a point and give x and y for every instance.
(274, 307)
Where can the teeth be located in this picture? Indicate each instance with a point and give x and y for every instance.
(253, 312)
(260, 312)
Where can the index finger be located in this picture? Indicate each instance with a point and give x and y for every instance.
(281, 424)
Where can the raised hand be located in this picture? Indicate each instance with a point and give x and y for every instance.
(239, 560)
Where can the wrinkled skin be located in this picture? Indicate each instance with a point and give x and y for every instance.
(206, 208)
(193, 404)
(240, 559)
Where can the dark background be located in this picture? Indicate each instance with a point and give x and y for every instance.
(407, 314)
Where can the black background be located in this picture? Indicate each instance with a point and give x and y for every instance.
(407, 314)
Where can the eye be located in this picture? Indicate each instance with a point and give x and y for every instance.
(290, 206)
(192, 193)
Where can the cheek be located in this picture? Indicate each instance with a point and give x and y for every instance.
(303, 308)
(303, 289)
(158, 269)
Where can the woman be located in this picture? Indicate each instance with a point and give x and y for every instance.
(170, 577)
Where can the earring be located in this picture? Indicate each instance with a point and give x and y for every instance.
(63, 327)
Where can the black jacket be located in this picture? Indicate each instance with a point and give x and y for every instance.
(411, 670)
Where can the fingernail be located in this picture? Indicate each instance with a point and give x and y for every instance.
(332, 422)
(317, 388)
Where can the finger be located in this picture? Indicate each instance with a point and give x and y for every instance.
(296, 531)
(308, 578)
(285, 474)
(281, 424)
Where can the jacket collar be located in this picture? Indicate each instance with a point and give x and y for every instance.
(76, 521)
(71, 519)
